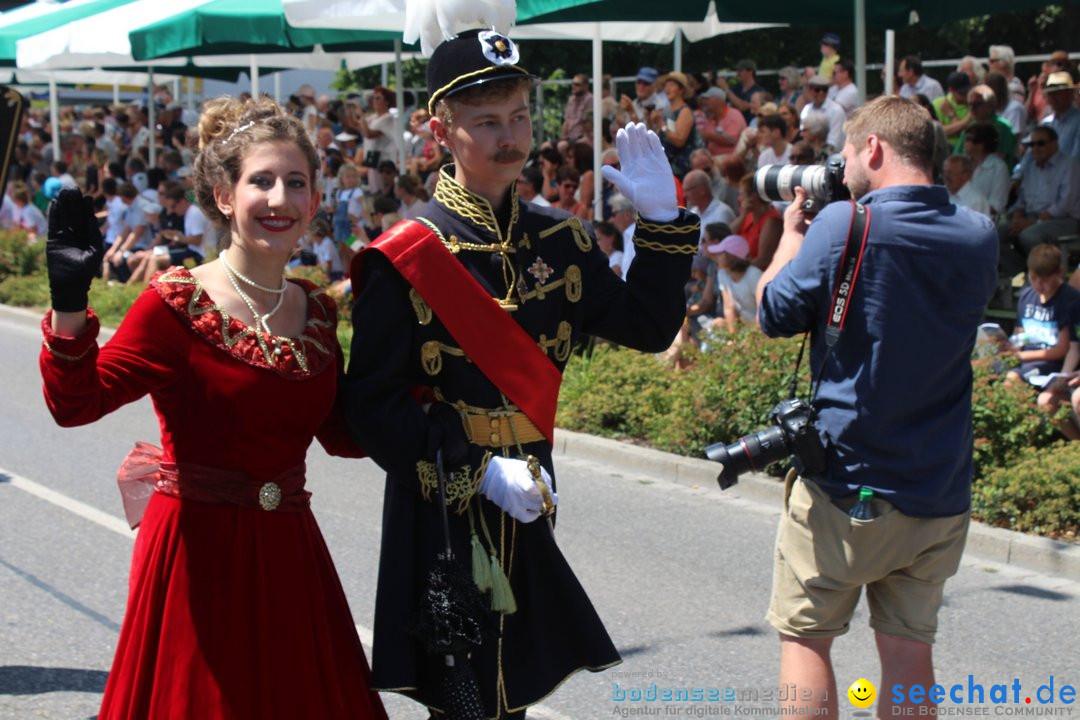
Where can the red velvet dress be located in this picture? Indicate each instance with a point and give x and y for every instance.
(234, 611)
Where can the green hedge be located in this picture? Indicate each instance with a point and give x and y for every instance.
(727, 392)
(18, 256)
(722, 395)
(1024, 479)
(1039, 493)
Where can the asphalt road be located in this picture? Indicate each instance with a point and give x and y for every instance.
(680, 575)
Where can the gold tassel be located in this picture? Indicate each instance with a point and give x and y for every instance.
(502, 597)
(481, 571)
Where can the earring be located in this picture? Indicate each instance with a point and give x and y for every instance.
(227, 214)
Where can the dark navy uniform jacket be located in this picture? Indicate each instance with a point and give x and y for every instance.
(546, 270)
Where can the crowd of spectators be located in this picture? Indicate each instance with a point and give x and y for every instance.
(1008, 147)
(148, 215)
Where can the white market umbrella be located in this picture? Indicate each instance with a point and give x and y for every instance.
(27, 12)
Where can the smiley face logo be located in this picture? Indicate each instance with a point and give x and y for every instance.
(862, 693)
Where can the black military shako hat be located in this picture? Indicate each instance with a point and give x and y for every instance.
(472, 58)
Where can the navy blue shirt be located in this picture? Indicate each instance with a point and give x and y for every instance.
(894, 404)
(1041, 323)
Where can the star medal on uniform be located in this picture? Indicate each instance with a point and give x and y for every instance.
(540, 270)
(497, 48)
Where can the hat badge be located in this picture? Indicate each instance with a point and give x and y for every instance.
(497, 48)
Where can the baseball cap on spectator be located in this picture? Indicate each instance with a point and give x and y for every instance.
(714, 92)
(733, 245)
(831, 39)
(151, 208)
(958, 81)
(1061, 80)
(746, 64)
(647, 74)
(818, 81)
(344, 136)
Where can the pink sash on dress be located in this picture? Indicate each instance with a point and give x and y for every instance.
(142, 474)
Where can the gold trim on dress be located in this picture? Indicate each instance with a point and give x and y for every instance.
(62, 356)
(297, 345)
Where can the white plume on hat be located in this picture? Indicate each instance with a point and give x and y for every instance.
(435, 21)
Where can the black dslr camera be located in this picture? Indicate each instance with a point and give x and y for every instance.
(823, 183)
(793, 434)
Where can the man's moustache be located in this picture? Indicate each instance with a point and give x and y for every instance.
(509, 155)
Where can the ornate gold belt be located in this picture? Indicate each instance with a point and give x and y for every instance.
(500, 429)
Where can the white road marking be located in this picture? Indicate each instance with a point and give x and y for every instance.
(87, 512)
(111, 522)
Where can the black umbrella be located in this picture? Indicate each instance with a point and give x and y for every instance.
(449, 622)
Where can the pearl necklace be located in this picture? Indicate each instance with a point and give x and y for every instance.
(252, 283)
(261, 322)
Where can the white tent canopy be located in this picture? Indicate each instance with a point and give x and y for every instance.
(346, 14)
(390, 15)
(32, 10)
(102, 40)
(94, 76)
(99, 40)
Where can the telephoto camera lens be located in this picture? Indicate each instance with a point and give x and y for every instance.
(777, 183)
(752, 452)
(823, 183)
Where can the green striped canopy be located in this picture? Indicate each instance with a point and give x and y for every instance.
(230, 27)
(63, 14)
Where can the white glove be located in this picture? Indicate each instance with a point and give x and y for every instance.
(645, 178)
(509, 484)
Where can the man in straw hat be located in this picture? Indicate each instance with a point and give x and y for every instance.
(1060, 92)
(463, 323)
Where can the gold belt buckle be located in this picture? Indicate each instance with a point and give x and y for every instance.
(269, 496)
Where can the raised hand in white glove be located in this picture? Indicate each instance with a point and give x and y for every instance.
(509, 484)
(645, 178)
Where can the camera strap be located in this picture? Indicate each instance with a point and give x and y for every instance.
(850, 263)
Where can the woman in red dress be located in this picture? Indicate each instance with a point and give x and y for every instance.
(234, 607)
(759, 222)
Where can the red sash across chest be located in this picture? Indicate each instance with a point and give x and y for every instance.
(515, 364)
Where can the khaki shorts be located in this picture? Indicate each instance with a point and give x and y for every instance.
(824, 557)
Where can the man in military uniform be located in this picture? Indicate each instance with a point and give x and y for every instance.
(462, 325)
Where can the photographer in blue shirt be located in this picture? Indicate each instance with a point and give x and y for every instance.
(892, 402)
